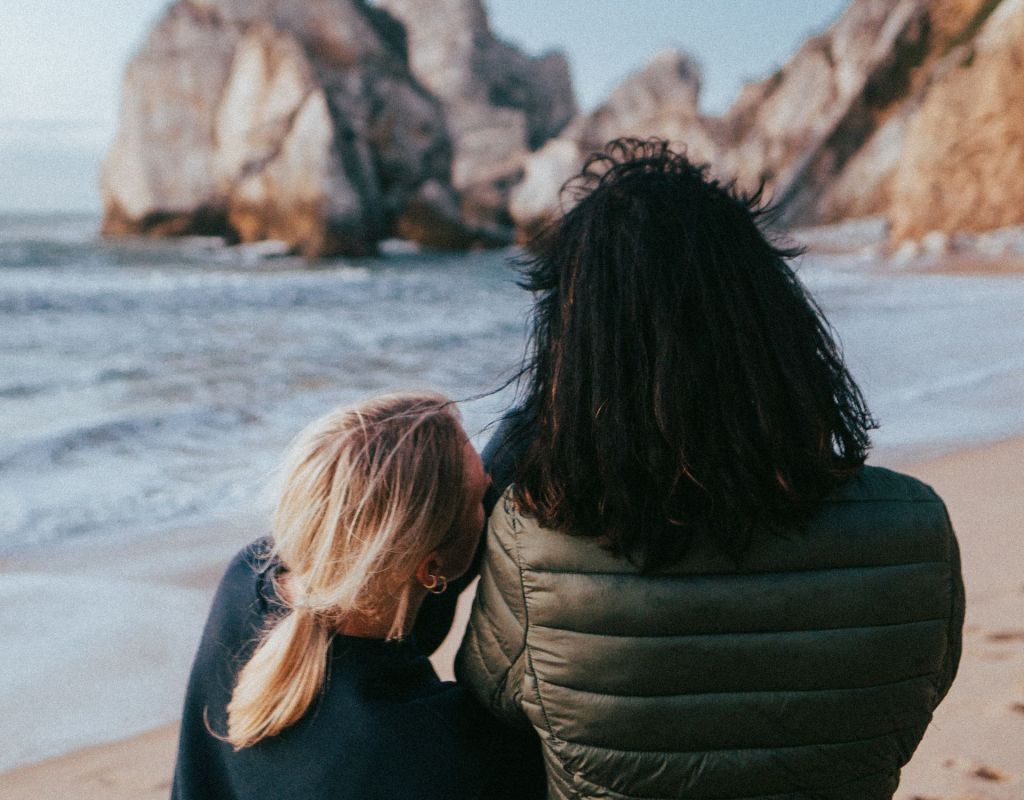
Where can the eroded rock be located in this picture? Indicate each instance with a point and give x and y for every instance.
(158, 176)
(660, 100)
(963, 153)
(331, 125)
(911, 110)
(286, 120)
(499, 103)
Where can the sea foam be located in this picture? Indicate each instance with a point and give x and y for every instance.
(147, 382)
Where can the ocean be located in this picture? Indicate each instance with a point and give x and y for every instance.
(145, 384)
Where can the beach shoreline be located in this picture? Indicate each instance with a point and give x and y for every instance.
(970, 751)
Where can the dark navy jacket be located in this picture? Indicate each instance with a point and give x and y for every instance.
(384, 727)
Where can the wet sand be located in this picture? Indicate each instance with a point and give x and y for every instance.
(974, 749)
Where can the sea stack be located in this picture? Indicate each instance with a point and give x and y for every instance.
(301, 121)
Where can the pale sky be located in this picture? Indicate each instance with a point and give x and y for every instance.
(61, 63)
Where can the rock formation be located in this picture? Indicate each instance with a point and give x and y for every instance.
(794, 130)
(158, 176)
(331, 124)
(661, 100)
(300, 120)
(903, 108)
(962, 158)
(499, 103)
(855, 168)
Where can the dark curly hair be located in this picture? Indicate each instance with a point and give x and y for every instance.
(681, 381)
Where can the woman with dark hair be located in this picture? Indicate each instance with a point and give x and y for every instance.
(692, 585)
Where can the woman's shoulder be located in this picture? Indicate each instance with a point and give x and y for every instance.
(902, 515)
(882, 485)
(879, 516)
(401, 691)
(453, 710)
(253, 559)
(247, 571)
(242, 600)
(400, 688)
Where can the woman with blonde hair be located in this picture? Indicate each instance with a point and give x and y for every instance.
(306, 684)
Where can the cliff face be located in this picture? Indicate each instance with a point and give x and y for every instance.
(962, 158)
(795, 130)
(903, 108)
(499, 104)
(865, 163)
(300, 120)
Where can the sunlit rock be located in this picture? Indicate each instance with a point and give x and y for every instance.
(660, 100)
(288, 120)
(499, 103)
(962, 160)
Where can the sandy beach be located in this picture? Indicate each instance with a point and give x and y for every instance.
(972, 751)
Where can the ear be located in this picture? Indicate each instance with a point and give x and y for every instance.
(431, 566)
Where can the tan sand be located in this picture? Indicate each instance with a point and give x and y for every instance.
(975, 746)
(138, 768)
(965, 264)
(974, 749)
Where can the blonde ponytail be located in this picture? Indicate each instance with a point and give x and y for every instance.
(370, 490)
(281, 679)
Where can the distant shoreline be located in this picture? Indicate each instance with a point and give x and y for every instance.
(960, 254)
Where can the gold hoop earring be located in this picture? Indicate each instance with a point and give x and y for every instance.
(438, 584)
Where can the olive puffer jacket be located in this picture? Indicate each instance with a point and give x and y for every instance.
(810, 670)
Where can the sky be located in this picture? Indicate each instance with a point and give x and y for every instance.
(61, 64)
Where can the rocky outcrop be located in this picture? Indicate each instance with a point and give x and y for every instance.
(908, 109)
(795, 130)
(275, 161)
(331, 124)
(853, 170)
(785, 131)
(660, 100)
(300, 120)
(499, 103)
(962, 157)
(283, 120)
(158, 176)
(538, 197)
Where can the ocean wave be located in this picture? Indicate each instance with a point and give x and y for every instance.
(123, 374)
(62, 380)
(22, 390)
(179, 429)
(40, 242)
(960, 381)
(159, 382)
(111, 291)
(22, 254)
(78, 228)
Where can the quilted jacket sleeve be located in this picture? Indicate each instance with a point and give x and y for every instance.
(492, 659)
